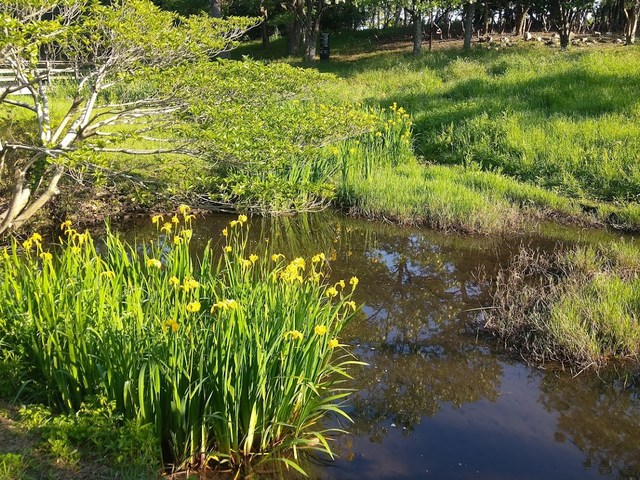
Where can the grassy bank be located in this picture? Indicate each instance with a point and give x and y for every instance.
(452, 198)
(496, 137)
(566, 122)
(580, 307)
(491, 139)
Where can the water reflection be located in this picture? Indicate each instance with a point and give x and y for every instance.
(435, 400)
(601, 416)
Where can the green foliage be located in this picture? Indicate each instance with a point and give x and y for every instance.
(265, 128)
(12, 466)
(95, 430)
(224, 360)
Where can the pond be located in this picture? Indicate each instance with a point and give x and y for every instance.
(438, 399)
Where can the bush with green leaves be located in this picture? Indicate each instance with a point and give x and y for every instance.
(264, 130)
(230, 357)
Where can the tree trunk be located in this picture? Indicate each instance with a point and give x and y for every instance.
(294, 30)
(215, 8)
(310, 42)
(264, 31)
(311, 28)
(485, 18)
(431, 30)
(469, 13)
(19, 209)
(522, 20)
(631, 23)
(417, 32)
(396, 17)
(564, 19)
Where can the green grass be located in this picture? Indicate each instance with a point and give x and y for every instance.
(225, 362)
(581, 307)
(12, 466)
(452, 198)
(567, 122)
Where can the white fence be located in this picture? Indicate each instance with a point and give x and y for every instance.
(49, 69)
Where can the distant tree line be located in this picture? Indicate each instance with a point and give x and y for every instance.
(301, 20)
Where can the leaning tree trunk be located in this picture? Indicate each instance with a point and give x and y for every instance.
(631, 23)
(469, 13)
(417, 32)
(22, 206)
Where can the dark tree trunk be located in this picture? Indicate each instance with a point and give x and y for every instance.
(522, 20)
(469, 14)
(215, 8)
(396, 17)
(264, 31)
(417, 32)
(617, 16)
(294, 28)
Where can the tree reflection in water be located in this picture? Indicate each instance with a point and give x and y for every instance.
(419, 291)
(415, 334)
(600, 414)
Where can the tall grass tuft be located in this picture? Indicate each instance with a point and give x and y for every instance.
(232, 357)
(581, 307)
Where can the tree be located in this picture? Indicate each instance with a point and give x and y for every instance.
(631, 14)
(304, 25)
(416, 10)
(105, 50)
(311, 20)
(469, 14)
(565, 13)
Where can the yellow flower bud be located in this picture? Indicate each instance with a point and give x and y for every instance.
(320, 330)
(152, 262)
(193, 307)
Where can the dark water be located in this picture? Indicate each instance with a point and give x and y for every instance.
(438, 399)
